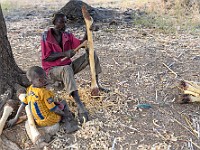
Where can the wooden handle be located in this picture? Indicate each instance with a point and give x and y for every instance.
(88, 22)
(84, 44)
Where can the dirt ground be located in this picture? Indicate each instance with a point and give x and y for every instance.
(133, 60)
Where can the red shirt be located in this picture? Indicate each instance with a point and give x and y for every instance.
(49, 45)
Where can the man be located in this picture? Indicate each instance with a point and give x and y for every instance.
(56, 44)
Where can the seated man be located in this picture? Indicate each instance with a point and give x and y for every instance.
(56, 44)
(45, 111)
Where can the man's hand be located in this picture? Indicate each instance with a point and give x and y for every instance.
(11, 122)
(84, 44)
(69, 53)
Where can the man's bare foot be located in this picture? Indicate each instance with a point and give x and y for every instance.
(83, 115)
(71, 126)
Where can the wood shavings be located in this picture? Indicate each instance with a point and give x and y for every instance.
(92, 130)
(156, 146)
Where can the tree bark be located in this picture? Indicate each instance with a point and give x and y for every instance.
(11, 76)
(10, 73)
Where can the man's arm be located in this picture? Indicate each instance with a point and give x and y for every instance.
(14, 120)
(55, 56)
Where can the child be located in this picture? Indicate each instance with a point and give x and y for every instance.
(45, 111)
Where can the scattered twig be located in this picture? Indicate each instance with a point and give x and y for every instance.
(189, 124)
(195, 144)
(72, 146)
(155, 123)
(156, 96)
(116, 62)
(119, 93)
(134, 129)
(180, 55)
(114, 142)
(159, 134)
(170, 70)
(190, 146)
(191, 142)
(184, 127)
(198, 130)
(138, 75)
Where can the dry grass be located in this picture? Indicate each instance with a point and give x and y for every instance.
(173, 16)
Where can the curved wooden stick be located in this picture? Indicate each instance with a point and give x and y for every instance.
(88, 22)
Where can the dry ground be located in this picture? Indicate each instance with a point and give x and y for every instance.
(133, 61)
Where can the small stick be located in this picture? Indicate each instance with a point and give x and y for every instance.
(189, 124)
(191, 142)
(170, 70)
(184, 126)
(116, 62)
(154, 122)
(191, 146)
(195, 145)
(156, 96)
(114, 142)
(198, 130)
(134, 129)
(138, 75)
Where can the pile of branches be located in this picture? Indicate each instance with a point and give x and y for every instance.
(190, 90)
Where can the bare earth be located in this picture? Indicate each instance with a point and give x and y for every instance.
(133, 61)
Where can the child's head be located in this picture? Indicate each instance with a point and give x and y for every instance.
(37, 76)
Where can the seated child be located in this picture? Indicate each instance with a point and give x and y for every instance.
(45, 111)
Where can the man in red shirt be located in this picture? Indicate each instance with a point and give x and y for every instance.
(56, 44)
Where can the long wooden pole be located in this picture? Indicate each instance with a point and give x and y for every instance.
(88, 22)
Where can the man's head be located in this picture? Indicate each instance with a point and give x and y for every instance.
(59, 21)
(37, 76)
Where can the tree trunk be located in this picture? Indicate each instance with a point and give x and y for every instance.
(10, 73)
